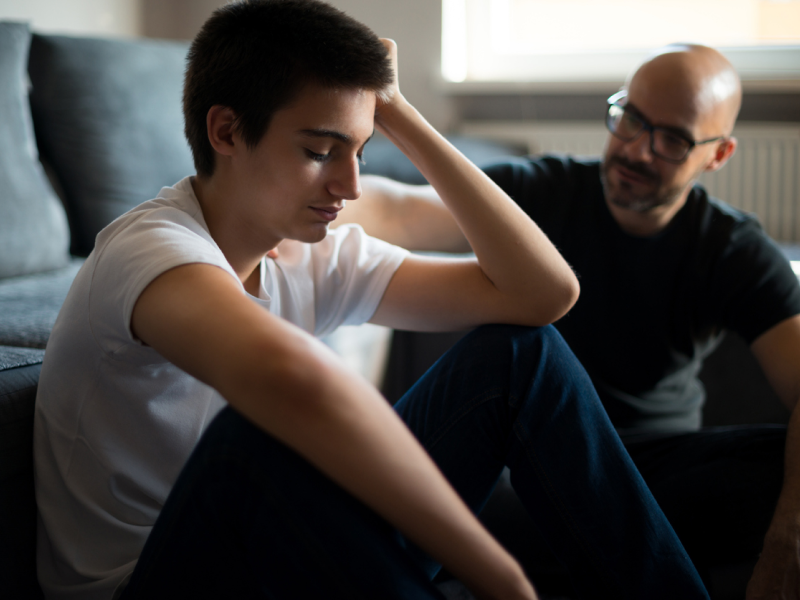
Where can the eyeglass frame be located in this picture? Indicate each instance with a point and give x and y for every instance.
(614, 99)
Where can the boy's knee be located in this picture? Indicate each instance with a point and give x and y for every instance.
(522, 341)
(515, 353)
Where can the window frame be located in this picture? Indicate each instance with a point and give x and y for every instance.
(767, 68)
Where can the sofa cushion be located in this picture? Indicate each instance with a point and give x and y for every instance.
(108, 118)
(29, 305)
(33, 228)
(19, 374)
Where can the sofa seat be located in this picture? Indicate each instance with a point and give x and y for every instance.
(29, 305)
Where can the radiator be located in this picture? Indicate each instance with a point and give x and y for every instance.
(763, 177)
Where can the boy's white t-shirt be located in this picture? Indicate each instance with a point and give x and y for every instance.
(115, 422)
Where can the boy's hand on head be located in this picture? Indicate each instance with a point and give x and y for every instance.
(391, 93)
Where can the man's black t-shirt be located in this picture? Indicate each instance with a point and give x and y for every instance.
(652, 308)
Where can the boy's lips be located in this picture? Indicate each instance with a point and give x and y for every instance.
(328, 213)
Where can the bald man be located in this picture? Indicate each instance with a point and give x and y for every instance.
(664, 270)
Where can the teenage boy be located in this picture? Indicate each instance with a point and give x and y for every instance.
(298, 488)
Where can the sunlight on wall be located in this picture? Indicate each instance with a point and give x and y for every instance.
(533, 26)
(559, 40)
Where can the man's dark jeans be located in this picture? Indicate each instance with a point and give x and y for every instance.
(249, 518)
(718, 487)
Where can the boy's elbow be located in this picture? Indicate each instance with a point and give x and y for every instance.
(563, 296)
(571, 293)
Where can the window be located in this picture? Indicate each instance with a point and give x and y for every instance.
(602, 40)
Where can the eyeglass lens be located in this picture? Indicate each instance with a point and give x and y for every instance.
(626, 125)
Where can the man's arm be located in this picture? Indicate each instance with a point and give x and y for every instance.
(777, 573)
(410, 216)
(294, 388)
(519, 277)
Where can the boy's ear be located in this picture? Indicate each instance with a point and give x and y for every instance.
(220, 125)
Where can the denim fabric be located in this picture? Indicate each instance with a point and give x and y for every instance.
(510, 396)
(248, 518)
(718, 488)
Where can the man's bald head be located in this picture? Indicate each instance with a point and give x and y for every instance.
(697, 77)
(685, 97)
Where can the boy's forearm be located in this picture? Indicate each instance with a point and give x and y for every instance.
(513, 252)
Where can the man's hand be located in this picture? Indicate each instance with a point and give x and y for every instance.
(777, 573)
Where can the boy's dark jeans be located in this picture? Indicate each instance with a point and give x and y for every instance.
(249, 518)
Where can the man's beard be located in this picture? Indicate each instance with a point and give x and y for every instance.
(623, 197)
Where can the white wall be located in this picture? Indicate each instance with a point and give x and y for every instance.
(176, 19)
(110, 18)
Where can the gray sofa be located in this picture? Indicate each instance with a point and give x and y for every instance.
(90, 128)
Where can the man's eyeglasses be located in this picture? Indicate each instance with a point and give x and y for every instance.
(665, 143)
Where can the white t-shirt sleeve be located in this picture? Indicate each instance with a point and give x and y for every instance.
(131, 255)
(351, 272)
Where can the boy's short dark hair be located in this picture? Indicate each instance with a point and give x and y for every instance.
(254, 56)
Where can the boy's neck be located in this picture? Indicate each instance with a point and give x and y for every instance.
(234, 238)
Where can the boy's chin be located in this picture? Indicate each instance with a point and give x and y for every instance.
(313, 235)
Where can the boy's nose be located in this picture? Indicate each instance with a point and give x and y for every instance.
(346, 183)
